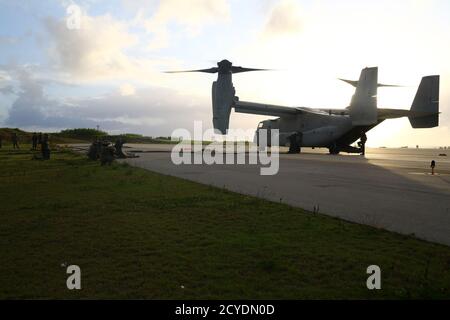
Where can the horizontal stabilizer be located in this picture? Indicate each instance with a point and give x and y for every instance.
(425, 122)
(380, 85)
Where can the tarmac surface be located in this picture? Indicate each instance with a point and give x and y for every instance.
(387, 188)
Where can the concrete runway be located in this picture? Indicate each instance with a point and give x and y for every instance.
(388, 188)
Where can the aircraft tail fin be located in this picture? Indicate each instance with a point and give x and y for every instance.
(425, 107)
(363, 106)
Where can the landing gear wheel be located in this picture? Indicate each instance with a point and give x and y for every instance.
(334, 149)
(294, 150)
(294, 146)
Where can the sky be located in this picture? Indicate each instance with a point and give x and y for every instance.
(107, 71)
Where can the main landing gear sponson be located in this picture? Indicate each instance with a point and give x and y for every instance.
(334, 149)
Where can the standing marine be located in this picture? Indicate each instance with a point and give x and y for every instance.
(34, 141)
(15, 141)
(362, 143)
(118, 148)
(94, 150)
(45, 149)
(106, 154)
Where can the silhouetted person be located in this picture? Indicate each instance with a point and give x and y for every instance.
(118, 148)
(106, 154)
(432, 166)
(34, 141)
(15, 141)
(362, 143)
(39, 138)
(95, 150)
(45, 149)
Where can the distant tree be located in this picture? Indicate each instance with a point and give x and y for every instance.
(131, 135)
(82, 133)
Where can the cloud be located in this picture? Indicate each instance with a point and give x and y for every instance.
(4, 75)
(192, 15)
(127, 90)
(5, 87)
(9, 89)
(189, 16)
(5, 40)
(99, 53)
(33, 108)
(284, 19)
(94, 51)
(149, 110)
(102, 50)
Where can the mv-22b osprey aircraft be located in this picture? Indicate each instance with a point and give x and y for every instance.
(335, 129)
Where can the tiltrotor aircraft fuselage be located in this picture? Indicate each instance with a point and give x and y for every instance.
(335, 129)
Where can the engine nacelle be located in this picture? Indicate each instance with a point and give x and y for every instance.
(222, 101)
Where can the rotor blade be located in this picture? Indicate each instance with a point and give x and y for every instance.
(241, 69)
(210, 70)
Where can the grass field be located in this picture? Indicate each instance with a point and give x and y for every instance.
(138, 234)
